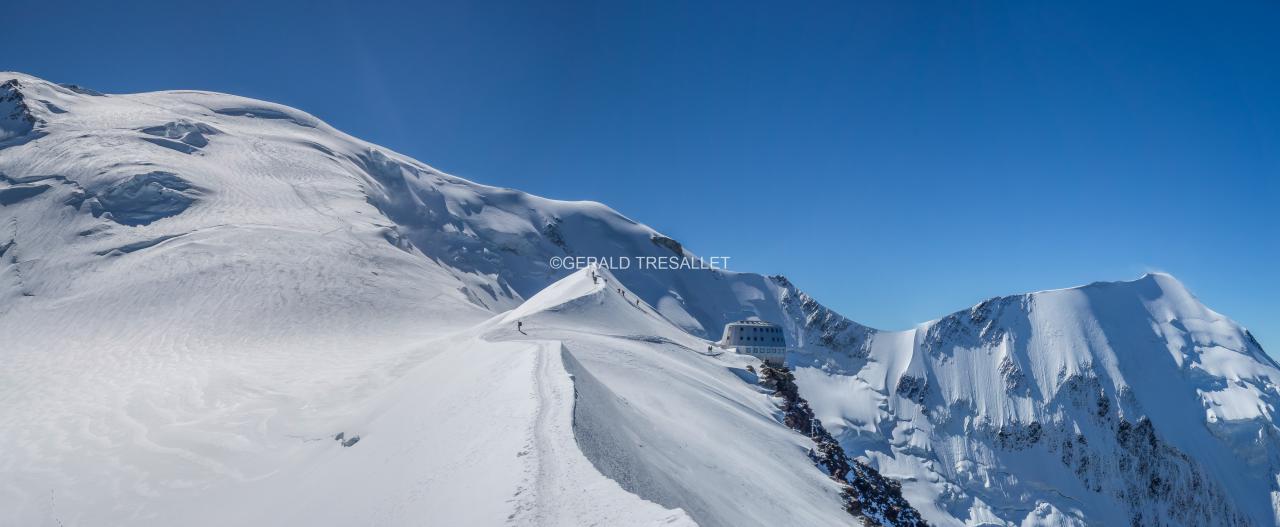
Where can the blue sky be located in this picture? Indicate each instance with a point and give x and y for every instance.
(915, 158)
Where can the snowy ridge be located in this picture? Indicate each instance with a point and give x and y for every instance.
(198, 291)
(667, 420)
(1112, 403)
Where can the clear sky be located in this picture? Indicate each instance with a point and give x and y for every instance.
(913, 158)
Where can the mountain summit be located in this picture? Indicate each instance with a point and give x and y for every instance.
(222, 310)
(1115, 402)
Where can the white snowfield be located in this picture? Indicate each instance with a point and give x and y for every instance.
(199, 291)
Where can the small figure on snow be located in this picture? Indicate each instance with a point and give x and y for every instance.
(520, 326)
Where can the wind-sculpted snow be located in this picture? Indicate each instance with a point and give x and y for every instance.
(183, 136)
(144, 198)
(14, 193)
(199, 291)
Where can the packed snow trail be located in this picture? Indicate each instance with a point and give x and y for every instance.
(475, 430)
(664, 420)
(430, 452)
(562, 488)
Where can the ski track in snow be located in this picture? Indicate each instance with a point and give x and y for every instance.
(561, 488)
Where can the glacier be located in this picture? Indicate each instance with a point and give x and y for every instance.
(199, 291)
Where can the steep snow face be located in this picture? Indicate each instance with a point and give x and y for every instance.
(502, 242)
(1113, 403)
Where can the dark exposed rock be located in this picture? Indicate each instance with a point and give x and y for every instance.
(913, 388)
(668, 243)
(1103, 406)
(552, 232)
(16, 119)
(1014, 378)
(1166, 486)
(868, 495)
(82, 90)
(823, 326)
(345, 441)
(1018, 436)
(984, 325)
(1156, 482)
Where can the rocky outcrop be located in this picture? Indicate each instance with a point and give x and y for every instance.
(821, 326)
(551, 231)
(16, 119)
(668, 243)
(869, 496)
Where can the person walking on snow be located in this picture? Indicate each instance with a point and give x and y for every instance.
(520, 326)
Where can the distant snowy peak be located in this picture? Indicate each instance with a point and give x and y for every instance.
(1135, 403)
(1117, 329)
(1148, 346)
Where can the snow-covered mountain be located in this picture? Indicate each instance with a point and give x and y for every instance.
(1108, 404)
(199, 291)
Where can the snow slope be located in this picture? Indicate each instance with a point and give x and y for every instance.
(477, 433)
(669, 421)
(198, 291)
(181, 314)
(1108, 404)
